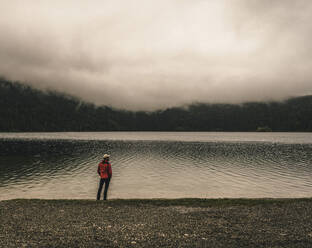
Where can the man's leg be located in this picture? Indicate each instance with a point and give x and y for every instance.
(106, 187)
(100, 188)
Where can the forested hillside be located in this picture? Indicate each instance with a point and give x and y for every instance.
(23, 108)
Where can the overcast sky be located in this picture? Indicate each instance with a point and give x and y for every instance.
(151, 54)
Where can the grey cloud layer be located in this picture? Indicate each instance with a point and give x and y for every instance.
(144, 54)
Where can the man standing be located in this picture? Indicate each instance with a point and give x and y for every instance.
(105, 172)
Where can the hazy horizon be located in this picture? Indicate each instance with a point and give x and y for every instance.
(147, 55)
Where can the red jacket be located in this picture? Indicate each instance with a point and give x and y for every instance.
(105, 170)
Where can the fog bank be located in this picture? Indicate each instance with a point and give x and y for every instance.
(146, 55)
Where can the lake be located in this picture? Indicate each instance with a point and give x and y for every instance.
(156, 164)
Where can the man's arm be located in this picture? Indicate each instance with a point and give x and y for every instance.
(110, 173)
(99, 172)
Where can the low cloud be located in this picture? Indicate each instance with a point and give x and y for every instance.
(146, 55)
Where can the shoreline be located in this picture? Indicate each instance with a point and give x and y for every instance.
(173, 201)
(184, 222)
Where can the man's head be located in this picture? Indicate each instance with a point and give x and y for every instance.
(106, 157)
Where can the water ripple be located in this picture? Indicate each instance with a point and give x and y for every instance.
(149, 169)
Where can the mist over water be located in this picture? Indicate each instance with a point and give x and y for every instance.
(152, 167)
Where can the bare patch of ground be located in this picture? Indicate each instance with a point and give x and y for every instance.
(156, 223)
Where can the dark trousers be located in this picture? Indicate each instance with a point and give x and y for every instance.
(102, 181)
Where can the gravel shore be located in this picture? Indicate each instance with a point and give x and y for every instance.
(156, 223)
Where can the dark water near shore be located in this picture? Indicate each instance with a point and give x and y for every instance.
(156, 165)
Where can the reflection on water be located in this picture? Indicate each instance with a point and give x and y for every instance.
(66, 168)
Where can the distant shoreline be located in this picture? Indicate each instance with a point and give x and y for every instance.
(189, 222)
(26, 109)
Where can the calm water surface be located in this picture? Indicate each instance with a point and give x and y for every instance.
(156, 164)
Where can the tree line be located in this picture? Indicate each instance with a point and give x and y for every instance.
(23, 109)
